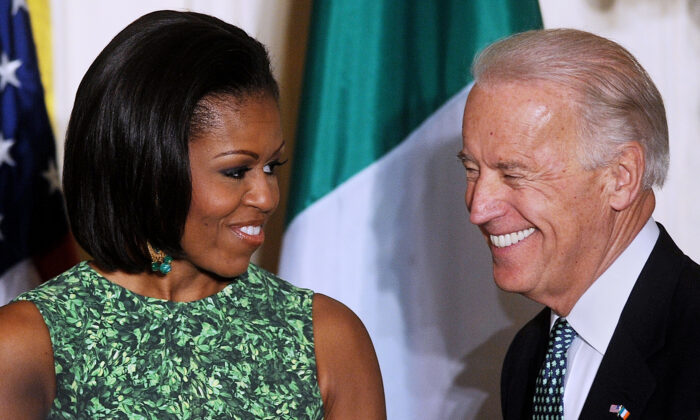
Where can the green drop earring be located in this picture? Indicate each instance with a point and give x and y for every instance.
(160, 262)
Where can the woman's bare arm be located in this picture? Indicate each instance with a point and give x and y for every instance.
(28, 380)
(348, 371)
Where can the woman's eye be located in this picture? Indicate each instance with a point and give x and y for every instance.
(270, 167)
(236, 173)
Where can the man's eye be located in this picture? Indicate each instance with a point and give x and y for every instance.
(270, 167)
(472, 173)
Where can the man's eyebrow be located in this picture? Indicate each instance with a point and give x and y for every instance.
(507, 165)
(510, 165)
(464, 157)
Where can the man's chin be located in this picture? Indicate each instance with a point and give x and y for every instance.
(512, 284)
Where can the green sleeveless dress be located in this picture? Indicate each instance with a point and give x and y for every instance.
(246, 352)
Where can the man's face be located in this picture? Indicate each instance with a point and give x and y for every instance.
(544, 216)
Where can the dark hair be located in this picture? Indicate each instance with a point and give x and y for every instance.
(126, 172)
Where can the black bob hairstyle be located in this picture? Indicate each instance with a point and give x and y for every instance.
(126, 172)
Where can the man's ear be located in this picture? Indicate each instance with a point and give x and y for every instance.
(627, 170)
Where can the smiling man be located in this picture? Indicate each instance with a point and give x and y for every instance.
(565, 137)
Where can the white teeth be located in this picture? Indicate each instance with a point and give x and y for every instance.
(500, 241)
(251, 230)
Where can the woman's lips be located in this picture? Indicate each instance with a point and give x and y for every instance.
(252, 234)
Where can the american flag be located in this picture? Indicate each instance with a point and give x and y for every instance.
(33, 228)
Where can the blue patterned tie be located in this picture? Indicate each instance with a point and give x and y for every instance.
(548, 402)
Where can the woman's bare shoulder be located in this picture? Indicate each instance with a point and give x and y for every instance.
(22, 328)
(26, 362)
(348, 371)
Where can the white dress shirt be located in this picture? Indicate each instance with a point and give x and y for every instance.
(595, 316)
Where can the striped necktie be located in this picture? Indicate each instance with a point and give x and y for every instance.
(548, 402)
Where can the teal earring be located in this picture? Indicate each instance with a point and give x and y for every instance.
(160, 262)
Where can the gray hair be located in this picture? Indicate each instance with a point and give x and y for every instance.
(615, 99)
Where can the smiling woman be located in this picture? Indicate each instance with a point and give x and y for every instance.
(234, 188)
(169, 179)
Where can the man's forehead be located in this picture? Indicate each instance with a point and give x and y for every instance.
(521, 112)
(520, 92)
(505, 162)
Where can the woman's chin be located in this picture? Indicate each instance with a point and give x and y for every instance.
(230, 270)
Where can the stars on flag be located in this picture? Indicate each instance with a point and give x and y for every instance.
(51, 176)
(5, 145)
(33, 216)
(19, 4)
(8, 72)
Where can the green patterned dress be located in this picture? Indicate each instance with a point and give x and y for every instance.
(246, 352)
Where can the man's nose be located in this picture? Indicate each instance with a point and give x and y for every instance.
(485, 201)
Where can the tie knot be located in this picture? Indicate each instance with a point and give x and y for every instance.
(561, 336)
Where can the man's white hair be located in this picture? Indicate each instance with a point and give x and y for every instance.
(614, 97)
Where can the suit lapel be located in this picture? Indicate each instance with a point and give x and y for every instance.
(624, 376)
(522, 365)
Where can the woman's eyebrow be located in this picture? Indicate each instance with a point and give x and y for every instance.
(238, 152)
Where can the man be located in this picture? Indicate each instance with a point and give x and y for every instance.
(564, 137)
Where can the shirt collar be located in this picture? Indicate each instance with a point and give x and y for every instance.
(596, 313)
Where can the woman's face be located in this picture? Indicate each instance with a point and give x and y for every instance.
(234, 186)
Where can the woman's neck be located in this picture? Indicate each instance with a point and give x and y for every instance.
(184, 283)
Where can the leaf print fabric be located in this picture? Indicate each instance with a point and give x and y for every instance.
(246, 352)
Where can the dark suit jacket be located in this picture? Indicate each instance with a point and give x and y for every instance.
(652, 364)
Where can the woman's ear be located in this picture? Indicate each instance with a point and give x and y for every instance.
(627, 171)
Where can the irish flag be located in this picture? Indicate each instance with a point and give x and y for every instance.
(376, 214)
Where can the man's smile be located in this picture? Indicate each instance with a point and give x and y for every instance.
(508, 239)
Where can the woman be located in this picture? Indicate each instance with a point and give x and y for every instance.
(169, 177)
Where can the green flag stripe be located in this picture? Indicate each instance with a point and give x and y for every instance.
(376, 69)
